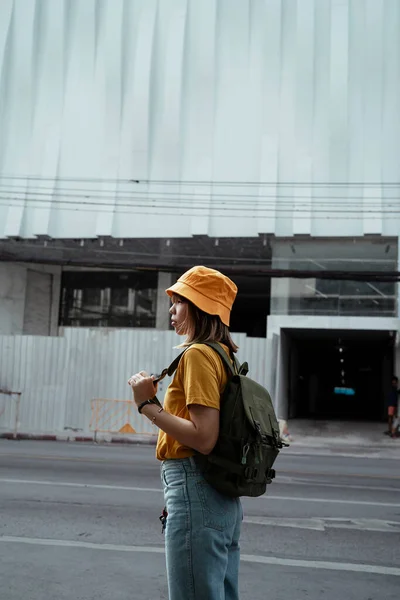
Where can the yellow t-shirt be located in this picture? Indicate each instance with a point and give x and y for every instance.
(199, 379)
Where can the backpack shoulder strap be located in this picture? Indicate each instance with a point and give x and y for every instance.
(169, 370)
(232, 370)
(225, 358)
(174, 365)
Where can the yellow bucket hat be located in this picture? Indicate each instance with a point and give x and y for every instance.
(208, 289)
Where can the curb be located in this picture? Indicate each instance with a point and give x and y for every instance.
(137, 440)
(329, 443)
(295, 447)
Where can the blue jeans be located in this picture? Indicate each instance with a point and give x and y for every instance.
(201, 537)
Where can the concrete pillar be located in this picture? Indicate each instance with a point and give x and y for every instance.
(12, 298)
(165, 280)
(281, 397)
(42, 299)
(29, 299)
(398, 285)
(280, 294)
(396, 357)
(396, 362)
(280, 287)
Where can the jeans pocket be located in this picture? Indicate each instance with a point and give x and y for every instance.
(219, 511)
(173, 478)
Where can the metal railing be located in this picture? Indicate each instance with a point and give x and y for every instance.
(17, 408)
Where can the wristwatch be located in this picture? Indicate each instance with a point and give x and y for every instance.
(153, 400)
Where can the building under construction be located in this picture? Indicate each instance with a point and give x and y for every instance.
(138, 138)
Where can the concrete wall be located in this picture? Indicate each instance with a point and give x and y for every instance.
(278, 322)
(100, 97)
(29, 299)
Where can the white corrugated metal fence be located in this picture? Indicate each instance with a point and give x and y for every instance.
(58, 377)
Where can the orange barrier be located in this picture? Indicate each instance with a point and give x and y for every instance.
(113, 416)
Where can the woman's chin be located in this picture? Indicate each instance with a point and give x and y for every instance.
(179, 331)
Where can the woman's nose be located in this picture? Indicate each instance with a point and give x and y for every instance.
(172, 310)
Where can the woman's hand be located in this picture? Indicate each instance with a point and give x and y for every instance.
(142, 387)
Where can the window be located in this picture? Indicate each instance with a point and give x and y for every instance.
(108, 299)
(323, 296)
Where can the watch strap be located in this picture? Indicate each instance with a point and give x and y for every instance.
(149, 401)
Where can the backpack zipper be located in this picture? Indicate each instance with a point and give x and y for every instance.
(245, 452)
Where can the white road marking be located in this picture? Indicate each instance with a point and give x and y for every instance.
(158, 490)
(95, 486)
(321, 524)
(251, 558)
(321, 564)
(72, 544)
(281, 472)
(310, 483)
(332, 501)
(386, 452)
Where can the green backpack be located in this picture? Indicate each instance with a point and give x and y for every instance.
(248, 442)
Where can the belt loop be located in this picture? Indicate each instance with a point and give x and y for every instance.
(192, 462)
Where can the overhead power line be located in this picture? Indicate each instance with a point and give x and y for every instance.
(178, 202)
(256, 212)
(187, 196)
(181, 182)
(82, 203)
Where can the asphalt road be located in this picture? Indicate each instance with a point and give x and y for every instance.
(80, 522)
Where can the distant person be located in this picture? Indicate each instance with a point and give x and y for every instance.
(396, 423)
(392, 401)
(284, 430)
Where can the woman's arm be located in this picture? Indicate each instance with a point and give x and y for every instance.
(200, 433)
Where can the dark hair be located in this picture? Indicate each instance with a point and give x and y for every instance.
(394, 378)
(202, 327)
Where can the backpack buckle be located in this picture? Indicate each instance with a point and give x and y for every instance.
(244, 369)
(251, 473)
(270, 475)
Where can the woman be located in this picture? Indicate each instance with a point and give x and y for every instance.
(203, 526)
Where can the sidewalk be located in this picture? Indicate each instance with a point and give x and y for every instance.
(321, 437)
(342, 437)
(353, 433)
